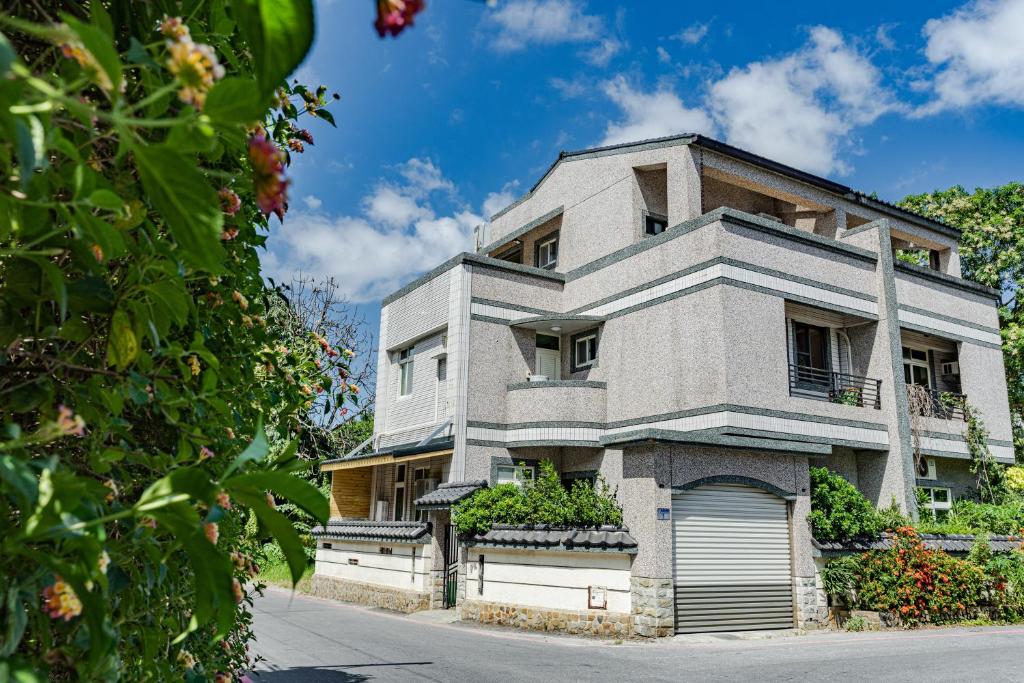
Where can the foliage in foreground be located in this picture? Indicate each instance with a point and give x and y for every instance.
(541, 501)
(142, 156)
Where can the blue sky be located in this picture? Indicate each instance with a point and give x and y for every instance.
(464, 111)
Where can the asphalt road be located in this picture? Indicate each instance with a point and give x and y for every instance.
(317, 641)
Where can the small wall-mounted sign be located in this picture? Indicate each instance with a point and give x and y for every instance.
(353, 560)
(664, 513)
(597, 597)
(384, 550)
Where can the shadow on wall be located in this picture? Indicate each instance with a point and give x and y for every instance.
(338, 673)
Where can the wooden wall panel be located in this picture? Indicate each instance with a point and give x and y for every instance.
(350, 493)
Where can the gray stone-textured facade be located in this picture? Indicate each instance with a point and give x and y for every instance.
(694, 328)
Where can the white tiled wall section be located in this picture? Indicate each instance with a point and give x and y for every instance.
(928, 321)
(421, 310)
(783, 426)
(418, 409)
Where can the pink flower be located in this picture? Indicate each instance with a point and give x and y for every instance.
(229, 201)
(205, 453)
(394, 15)
(296, 146)
(60, 601)
(224, 500)
(68, 423)
(212, 532)
(268, 176)
(236, 587)
(305, 135)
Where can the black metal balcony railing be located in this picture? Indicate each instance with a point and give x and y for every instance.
(927, 402)
(835, 387)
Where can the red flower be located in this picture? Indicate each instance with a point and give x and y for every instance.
(268, 176)
(305, 135)
(229, 201)
(296, 145)
(393, 16)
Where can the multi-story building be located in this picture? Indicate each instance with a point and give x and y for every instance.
(699, 326)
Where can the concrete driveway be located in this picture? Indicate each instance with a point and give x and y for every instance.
(312, 640)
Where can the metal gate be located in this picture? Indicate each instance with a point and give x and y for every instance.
(451, 566)
(732, 559)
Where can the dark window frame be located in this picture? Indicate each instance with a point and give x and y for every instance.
(514, 250)
(648, 217)
(596, 333)
(544, 240)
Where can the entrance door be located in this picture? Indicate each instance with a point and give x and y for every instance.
(451, 566)
(732, 560)
(549, 357)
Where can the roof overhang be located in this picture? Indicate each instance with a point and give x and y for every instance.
(558, 324)
(406, 453)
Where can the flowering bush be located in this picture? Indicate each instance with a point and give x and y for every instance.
(141, 387)
(917, 584)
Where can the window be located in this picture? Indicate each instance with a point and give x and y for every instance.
(569, 478)
(915, 367)
(421, 474)
(926, 469)
(549, 357)
(405, 371)
(584, 351)
(811, 356)
(547, 252)
(515, 474)
(938, 500)
(399, 493)
(655, 224)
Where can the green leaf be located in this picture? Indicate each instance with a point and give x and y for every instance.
(186, 201)
(102, 233)
(17, 620)
(235, 100)
(168, 490)
(281, 528)
(101, 47)
(122, 347)
(31, 139)
(137, 55)
(55, 278)
(296, 490)
(255, 452)
(326, 116)
(172, 295)
(105, 199)
(7, 55)
(279, 33)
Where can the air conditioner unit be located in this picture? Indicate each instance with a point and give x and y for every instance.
(422, 487)
(380, 512)
(951, 368)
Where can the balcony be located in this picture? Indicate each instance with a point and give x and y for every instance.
(942, 405)
(572, 401)
(835, 387)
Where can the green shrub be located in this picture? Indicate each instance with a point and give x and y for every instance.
(541, 501)
(838, 510)
(856, 624)
(970, 517)
(838, 577)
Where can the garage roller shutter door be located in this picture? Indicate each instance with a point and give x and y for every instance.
(732, 560)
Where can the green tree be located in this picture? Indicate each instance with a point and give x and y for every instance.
(991, 253)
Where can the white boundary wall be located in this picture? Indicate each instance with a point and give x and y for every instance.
(406, 567)
(548, 579)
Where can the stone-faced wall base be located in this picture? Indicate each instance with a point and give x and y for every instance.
(582, 622)
(653, 606)
(811, 604)
(370, 594)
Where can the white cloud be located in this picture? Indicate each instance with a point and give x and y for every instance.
(602, 53)
(651, 115)
(496, 201)
(389, 205)
(543, 22)
(570, 89)
(692, 34)
(663, 56)
(398, 236)
(801, 109)
(518, 24)
(312, 202)
(978, 52)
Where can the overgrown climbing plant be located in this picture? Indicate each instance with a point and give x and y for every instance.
(144, 146)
